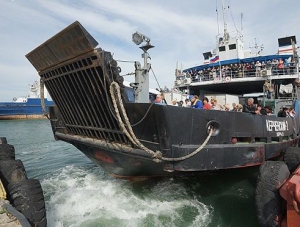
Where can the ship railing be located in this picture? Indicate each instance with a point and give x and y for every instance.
(229, 74)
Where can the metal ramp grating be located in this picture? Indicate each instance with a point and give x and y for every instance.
(81, 92)
(78, 77)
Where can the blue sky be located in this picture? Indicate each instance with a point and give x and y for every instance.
(180, 31)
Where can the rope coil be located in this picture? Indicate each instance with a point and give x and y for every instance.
(128, 131)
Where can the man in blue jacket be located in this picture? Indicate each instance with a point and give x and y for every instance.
(196, 103)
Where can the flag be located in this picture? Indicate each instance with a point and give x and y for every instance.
(214, 59)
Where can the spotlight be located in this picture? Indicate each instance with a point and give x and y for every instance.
(138, 38)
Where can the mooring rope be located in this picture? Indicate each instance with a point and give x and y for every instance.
(129, 133)
(42, 84)
(157, 155)
(192, 153)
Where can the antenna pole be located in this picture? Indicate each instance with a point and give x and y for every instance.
(226, 35)
(242, 21)
(217, 17)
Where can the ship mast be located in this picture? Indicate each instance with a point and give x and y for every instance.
(226, 34)
(141, 89)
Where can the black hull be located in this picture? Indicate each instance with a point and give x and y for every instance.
(131, 166)
(125, 161)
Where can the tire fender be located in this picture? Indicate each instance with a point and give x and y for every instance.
(269, 204)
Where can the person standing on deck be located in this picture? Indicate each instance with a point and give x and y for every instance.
(206, 104)
(215, 105)
(196, 103)
(159, 100)
(249, 107)
(187, 103)
(174, 102)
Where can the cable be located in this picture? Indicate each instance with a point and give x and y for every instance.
(125, 61)
(217, 17)
(155, 78)
(135, 124)
(232, 16)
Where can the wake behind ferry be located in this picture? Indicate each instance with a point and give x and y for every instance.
(137, 139)
(27, 107)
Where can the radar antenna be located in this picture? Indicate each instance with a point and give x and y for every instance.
(258, 48)
(226, 34)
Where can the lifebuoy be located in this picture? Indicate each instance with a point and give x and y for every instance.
(216, 80)
(227, 79)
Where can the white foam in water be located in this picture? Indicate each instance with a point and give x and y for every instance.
(85, 196)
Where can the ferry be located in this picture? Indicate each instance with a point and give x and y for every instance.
(95, 112)
(129, 137)
(26, 107)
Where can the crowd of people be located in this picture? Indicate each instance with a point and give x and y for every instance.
(195, 102)
(248, 107)
(277, 67)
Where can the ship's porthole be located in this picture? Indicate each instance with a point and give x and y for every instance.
(215, 125)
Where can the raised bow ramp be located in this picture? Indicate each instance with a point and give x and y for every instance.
(78, 77)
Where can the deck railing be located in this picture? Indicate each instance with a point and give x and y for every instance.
(227, 75)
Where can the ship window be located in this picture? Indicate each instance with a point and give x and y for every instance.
(232, 46)
(207, 55)
(286, 41)
(222, 48)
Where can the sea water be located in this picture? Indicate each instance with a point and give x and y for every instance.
(79, 194)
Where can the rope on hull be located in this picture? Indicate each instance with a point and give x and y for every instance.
(157, 155)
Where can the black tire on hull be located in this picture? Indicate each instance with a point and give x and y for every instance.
(270, 206)
(292, 158)
(7, 152)
(27, 197)
(12, 171)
